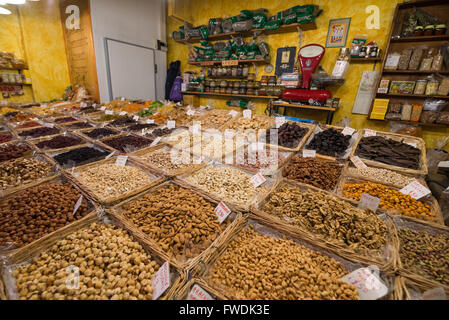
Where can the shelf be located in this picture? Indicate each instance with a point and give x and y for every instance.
(365, 59)
(422, 96)
(436, 125)
(303, 106)
(414, 72)
(228, 95)
(227, 77)
(211, 63)
(15, 84)
(421, 39)
(227, 36)
(12, 68)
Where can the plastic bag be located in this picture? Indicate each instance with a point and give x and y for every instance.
(405, 129)
(443, 118)
(434, 105)
(344, 122)
(428, 117)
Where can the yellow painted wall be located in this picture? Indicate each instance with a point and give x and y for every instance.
(200, 11)
(34, 32)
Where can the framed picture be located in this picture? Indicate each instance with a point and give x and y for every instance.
(337, 33)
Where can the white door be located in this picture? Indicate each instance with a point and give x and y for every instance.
(131, 71)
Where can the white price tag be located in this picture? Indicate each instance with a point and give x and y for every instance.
(77, 205)
(368, 285)
(190, 112)
(48, 125)
(110, 155)
(109, 112)
(257, 180)
(136, 118)
(415, 190)
(161, 281)
(233, 113)
(103, 108)
(198, 293)
(413, 144)
(222, 212)
(183, 87)
(247, 113)
(347, 131)
(358, 162)
(368, 202)
(370, 133)
(122, 99)
(149, 121)
(309, 153)
(171, 124)
(123, 113)
(121, 160)
(155, 142)
(83, 105)
(279, 121)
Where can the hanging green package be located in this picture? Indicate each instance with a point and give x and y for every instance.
(204, 32)
(237, 103)
(308, 13)
(259, 21)
(227, 24)
(246, 14)
(273, 25)
(289, 19)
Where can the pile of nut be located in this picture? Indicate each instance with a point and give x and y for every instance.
(317, 172)
(228, 183)
(260, 267)
(335, 220)
(425, 254)
(21, 171)
(183, 139)
(215, 146)
(181, 222)
(38, 211)
(111, 265)
(382, 176)
(13, 151)
(390, 199)
(111, 180)
(265, 160)
(169, 161)
(215, 119)
(256, 123)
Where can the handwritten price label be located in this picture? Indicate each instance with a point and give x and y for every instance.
(279, 121)
(415, 190)
(358, 162)
(136, 118)
(257, 180)
(171, 124)
(121, 160)
(149, 121)
(413, 144)
(347, 131)
(368, 285)
(103, 108)
(123, 113)
(83, 105)
(370, 133)
(368, 202)
(222, 212)
(77, 205)
(109, 112)
(198, 293)
(233, 113)
(161, 281)
(309, 153)
(49, 125)
(247, 114)
(229, 63)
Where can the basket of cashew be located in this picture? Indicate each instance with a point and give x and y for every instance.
(266, 262)
(423, 253)
(331, 222)
(179, 223)
(392, 200)
(98, 259)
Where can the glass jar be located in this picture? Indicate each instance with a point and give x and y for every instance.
(440, 30)
(432, 87)
(243, 84)
(278, 91)
(264, 81)
(263, 91)
(229, 90)
(229, 72)
(419, 31)
(234, 71)
(200, 88)
(270, 91)
(256, 84)
(242, 90)
(250, 85)
(223, 83)
(223, 90)
(251, 92)
(256, 92)
(212, 84)
(251, 76)
(245, 71)
(235, 91)
(420, 87)
(206, 89)
(18, 78)
(239, 71)
(429, 30)
(272, 81)
(214, 71)
(236, 84)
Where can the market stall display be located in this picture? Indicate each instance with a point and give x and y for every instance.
(266, 160)
(79, 156)
(12, 151)
(290, 136)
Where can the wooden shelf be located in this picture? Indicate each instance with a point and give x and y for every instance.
(404, 95)
(12, 68)
(421, 39)
(227, 77)
(436, 125)
(303, 106)
(365, 59)
(282, 29)
(414, 72)
(228, 95)
(209, 63)
(15, 84)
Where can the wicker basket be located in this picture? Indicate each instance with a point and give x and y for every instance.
(204, 119)
(310, 129)
(423, 170)
(386, 258)
(36, 141)
(183, 292)
(234, 121)
(18, 142)
(113, 199)
(67, 166)
(417, 225)
(434, 206)
(278, 231)
(83, 134)
(117, 211)
(349, 150)
(74, 129)
(177, 276)
(102, 142)
(58, 179)
(139, 156)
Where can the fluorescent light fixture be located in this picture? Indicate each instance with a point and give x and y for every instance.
(15, 1)
(4, 11)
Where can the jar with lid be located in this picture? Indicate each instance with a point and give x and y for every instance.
(200, 87)
(229, 72)
(217, 89)
(223, 83)
(264, 81)
(272, 81)
(419, 31)
(234, 71)
(420, 87)
(223, 90)
(236, 84)
(256, 92)
(440, 29)
(245, 71)
(278, 91)
(206, 89)
(18, 78)
(429, 30)
(229, 90)
(201, 76)
(262, 91)
(239, 71)
(257, 84)
(209, 72)
(362, 53)
(251, 92)
(12, 78)
(251, 76)
(242, 90)
(432, 87)
(270, 91)
(212, 84)
(243, 84)
(235, 91)
(250, 85)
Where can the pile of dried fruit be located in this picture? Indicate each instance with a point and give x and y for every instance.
(28, 124)
(289, 135)
(111, 266)
(59, 142)
(100, 133)
(65, 120)
(80, 155)
(181, 222)
(5, 138)
(39, 132)
(79, 125)
(257, 266)
(425, 254)
(122, 121)
(127, 143)
(335, 220)
(330, 142)
(13, 151)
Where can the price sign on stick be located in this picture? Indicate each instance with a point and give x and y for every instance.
(347, 131)
(368, 202)
(161, 281)
(370, 133)
(247, 113)
(257, 180)
(198, 293)
(77, 205)
(358, 162)
(155, 142)
(309, 153)
(123, 113)
(171, 124)
(136, 118)
(149, 121)
(121, 160)
(368, 285)
(415, 190)
(233, 113)
(222, 212)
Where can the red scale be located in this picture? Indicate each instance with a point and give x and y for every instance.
(309, 57)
